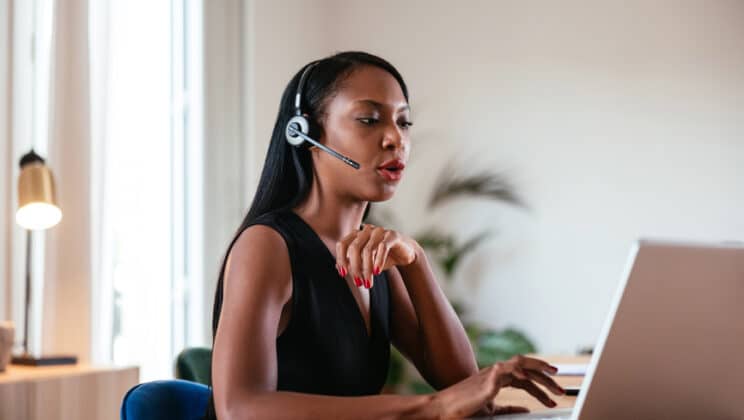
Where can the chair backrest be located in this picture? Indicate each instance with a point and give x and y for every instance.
(194, 364)
(167, 399)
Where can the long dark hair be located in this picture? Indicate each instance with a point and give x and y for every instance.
(287, 173)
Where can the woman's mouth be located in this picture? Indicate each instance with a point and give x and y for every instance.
(391, 174)
(392, 170)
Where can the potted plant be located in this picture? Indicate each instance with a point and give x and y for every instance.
(445, 250)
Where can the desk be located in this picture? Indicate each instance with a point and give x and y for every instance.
(513, 396)
(78, 392)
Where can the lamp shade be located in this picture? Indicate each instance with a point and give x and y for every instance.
(37, 204)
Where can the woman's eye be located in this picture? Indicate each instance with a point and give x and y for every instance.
(367, 121)
(406, 124)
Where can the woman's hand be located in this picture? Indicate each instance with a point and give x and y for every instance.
(372, 250)
(475, 395)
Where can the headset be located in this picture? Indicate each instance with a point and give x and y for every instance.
(298, 126)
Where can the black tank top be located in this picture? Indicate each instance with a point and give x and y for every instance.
(325, 348)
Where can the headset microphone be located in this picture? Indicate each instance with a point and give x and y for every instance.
(298, 126)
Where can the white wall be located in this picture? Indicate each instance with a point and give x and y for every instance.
(286, 35)
(223, 134)
(252, 48)
(615, 121)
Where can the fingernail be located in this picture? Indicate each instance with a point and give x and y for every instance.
(377, 271)
(343, 272)
(357, 281)
(368, 283)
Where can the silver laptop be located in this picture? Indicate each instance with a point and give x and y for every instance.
(673, 343)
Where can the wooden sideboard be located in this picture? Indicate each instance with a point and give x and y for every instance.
(79, 392)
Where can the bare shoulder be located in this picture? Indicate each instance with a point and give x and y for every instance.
(261, 256)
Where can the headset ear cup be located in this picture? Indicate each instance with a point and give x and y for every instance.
(296, 122)
(313, 130)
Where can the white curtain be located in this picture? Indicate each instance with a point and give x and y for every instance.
(67, 299)
(26, 43)
(6, 173)
(123, 279)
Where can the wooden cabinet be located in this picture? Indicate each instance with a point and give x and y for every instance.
(79, 392)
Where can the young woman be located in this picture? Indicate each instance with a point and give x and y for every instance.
(309, 299)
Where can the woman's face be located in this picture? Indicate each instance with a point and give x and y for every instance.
(367, 120)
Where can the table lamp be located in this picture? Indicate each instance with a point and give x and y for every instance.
(37, 210)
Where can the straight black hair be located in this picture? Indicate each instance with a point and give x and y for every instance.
(287, 173)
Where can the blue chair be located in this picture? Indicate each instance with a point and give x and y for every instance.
(168, 399)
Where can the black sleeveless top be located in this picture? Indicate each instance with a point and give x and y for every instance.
(325, 348)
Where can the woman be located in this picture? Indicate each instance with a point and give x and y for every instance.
(308, 303)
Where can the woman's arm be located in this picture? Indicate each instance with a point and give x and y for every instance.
(425, 328)
(424, 325)
(292, 405)
(244, 365)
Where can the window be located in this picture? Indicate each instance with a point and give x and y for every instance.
(146, 96)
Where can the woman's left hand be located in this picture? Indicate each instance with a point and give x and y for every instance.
(372, 250)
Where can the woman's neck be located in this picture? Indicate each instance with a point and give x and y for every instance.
(332, 217)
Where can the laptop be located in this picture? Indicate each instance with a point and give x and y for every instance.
(673, 343)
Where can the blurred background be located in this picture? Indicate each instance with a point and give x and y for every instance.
(548, 137)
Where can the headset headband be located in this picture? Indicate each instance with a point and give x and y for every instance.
(301, 85)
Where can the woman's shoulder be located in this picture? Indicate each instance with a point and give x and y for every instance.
(259, 253)
(267, 234)
(259, 240)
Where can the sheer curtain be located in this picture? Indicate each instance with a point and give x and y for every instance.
(26, 53)
(146, 95)
(118, 94)
(6, 173)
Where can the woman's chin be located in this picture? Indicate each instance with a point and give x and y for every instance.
(384, 194)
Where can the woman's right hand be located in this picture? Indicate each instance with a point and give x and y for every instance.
(475, 395)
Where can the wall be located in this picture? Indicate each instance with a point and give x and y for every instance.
(615, 121)
(245, 42)
(223, 134)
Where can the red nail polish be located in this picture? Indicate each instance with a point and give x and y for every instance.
(368, 283)
(340, 273)
(377, 271)
(357, 281)
(343, 271)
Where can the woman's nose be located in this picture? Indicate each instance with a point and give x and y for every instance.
(394, 138)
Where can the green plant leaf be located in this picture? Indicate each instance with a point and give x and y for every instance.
(472, 243)
(484, 184)
(473, 331)
(435, 241)
(445, 250)
(396, 369)
(459, 307)
(495, 346)
(419, 388)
